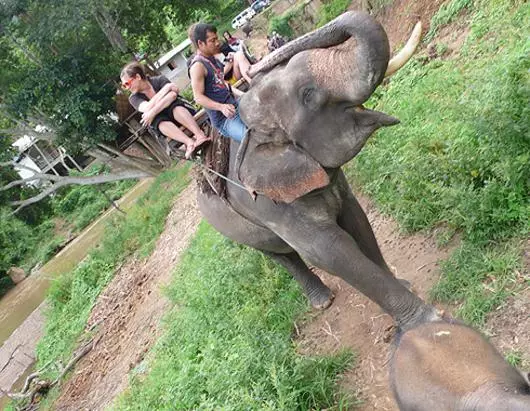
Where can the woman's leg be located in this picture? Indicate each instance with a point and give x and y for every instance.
(241, 66)
(172, 131)
(184, 117)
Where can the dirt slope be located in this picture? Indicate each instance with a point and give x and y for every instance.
(128, 315)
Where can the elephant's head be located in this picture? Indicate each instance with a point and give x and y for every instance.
(304, 108)
(449, 366)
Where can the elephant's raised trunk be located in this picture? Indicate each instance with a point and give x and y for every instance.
(348, 56)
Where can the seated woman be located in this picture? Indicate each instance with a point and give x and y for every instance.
(232, 41)
(236, 63)
(157, 98)
(236, 66)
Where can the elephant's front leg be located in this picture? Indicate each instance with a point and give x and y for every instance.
(322, 243)
(354, 221)
(318, 293)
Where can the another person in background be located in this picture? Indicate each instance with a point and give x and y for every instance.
(247, 29)
(231, 40)
(210, 89)
(157, 98)
(275, 41)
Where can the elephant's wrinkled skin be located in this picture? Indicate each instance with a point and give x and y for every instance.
(305, 118)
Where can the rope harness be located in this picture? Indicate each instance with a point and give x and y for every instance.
(197, 161)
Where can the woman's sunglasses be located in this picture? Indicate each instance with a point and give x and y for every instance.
(127, 84)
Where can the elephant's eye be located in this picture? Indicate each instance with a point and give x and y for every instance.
(308, 96)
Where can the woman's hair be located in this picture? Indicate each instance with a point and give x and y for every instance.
(227, 32)
(199, 31)
(132, 69)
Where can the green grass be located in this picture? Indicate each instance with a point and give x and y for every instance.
(460, 160)
(331, 10)
(282, 24)
(227, 343)
(72, 296)
(515, 358)
(447, 13)
(479, 279)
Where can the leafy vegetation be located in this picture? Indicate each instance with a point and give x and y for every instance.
(446, 14)
(331, 10)
(33, 238)
(282, 24)
(461, 163)
(79, 205)
(72, 295)
(228, 343)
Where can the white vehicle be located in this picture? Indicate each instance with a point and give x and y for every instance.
(243, 17)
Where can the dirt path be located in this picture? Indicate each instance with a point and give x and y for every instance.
(128, 315)
(354, 321)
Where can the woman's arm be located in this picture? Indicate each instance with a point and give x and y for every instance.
(167, 88)
(163, 102)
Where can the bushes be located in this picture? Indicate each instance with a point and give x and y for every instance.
(29, 237)
(16, 239)
(80, 205)
(281, 24)
(332, 9)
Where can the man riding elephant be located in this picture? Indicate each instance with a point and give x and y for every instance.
(305, 118)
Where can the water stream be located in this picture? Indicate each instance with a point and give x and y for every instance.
(22, 300)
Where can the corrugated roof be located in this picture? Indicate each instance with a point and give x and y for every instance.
(23, 143)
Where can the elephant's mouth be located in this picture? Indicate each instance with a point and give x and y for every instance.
(366, 118)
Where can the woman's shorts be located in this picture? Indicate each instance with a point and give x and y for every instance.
(167, 113)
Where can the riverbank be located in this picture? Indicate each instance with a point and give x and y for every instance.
(22, 308)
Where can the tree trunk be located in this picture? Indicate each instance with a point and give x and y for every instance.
(110, 27)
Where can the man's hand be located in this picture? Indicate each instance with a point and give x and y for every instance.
(147, 118)
(228, 110)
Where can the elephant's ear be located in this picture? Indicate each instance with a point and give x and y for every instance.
(280, 171)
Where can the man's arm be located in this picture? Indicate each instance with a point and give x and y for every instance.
(198, 76)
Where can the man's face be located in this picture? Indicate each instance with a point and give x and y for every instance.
(211, 46)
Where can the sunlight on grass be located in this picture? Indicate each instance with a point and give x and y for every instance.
(228, 340)
(460, 159)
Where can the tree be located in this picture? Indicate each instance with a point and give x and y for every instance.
(61, 60)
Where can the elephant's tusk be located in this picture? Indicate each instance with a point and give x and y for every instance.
(406, 52)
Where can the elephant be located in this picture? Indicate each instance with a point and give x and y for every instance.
(290, 199)
(442, 366)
